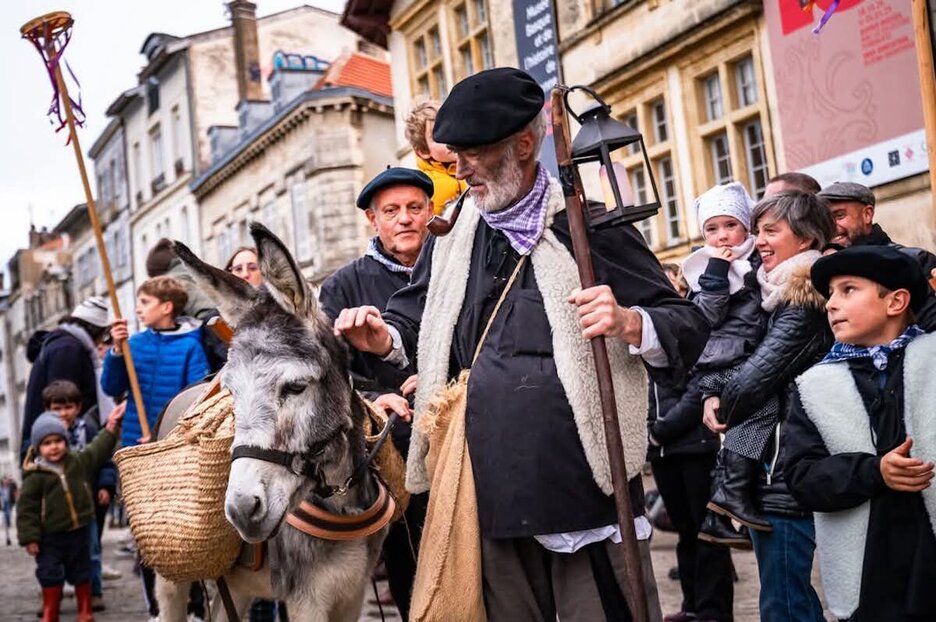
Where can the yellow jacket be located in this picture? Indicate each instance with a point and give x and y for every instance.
(445, 187)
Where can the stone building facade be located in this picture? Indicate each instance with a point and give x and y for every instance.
(300, 170)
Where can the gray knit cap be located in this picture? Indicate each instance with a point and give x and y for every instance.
(47, 423)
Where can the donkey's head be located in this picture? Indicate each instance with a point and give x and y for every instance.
(287, 373)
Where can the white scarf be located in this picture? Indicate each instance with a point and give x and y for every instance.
(696, 263)
(771, 283)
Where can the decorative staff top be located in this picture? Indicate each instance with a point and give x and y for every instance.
(50, 34)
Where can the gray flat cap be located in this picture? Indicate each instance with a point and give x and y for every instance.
(848, 191)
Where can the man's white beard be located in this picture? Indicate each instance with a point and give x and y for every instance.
(505, 187)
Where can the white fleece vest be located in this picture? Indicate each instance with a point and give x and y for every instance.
(556, 276)
(832, 402)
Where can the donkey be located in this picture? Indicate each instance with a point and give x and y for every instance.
(298, 430)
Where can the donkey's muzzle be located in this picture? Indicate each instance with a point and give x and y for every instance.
(247, 512)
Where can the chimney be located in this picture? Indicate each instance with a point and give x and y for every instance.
(246, 50)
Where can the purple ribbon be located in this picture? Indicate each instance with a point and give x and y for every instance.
(55, 107)
(826, 16)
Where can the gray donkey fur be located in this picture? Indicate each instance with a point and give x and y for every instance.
(288, 375)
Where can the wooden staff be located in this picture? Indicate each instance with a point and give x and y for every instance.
(924, 54)
(574, 198)
(60, 16)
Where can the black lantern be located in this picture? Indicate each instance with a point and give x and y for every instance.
(599, 135)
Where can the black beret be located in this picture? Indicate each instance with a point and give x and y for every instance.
(396, 176)
(885, 265)
(487, 107)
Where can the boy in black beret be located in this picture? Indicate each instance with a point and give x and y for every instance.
(862, 439)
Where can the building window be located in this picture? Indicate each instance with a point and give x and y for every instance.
(301, 220)
(184, 224)
(178, 149)
(756, 158)
(137, 173)
(711, 87)
(721, 158)
(473, 43)
(669, 198)
(429, 74)
(152, 94)
(156, 156)
(746, 81)
(630, 119)
(639, 185)
(660, 132)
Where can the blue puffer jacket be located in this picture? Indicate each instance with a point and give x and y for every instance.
(166, 362)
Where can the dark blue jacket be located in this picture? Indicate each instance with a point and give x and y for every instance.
(166, 362)
(62, 357)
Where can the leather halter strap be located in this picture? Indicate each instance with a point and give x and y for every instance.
(314, 521)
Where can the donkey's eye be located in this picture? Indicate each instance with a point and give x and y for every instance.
(293, 388)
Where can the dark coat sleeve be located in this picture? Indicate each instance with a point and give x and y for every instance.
(332, 296)
(682, 417)
(405, 308)
(795, 339)
(106, 477)
(623, 262)
(712, 299)
(29, 511)
(821, 482)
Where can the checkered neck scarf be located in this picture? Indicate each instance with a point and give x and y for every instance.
(524, 221)
(375, 251)
(877, 354)
(78, 434)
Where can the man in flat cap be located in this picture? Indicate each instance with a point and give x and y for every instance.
(549, 540)
(398, 204)
(852, 206)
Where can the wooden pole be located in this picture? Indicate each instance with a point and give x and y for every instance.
(102, 248)
(572, 188)
(924, 53)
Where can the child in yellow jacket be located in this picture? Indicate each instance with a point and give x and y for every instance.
(432, 158)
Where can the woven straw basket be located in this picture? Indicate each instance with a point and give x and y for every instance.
(389, 462)
(174, 491)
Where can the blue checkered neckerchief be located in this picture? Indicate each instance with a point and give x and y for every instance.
(375, 251)
(78, 434)
(877, 354)
(524, 221)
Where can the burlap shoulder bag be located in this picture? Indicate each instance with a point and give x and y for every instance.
(448, 572)
(174, 491)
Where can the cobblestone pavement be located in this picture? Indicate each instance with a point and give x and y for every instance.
(19, 592)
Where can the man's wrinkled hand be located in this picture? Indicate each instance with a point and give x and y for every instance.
(364, 329)
(601, 315)
(409, 385)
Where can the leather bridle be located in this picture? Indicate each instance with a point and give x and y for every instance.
(306, 464)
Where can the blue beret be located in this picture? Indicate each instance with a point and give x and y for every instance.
(396, 176)
(885, 265)
(487, 107)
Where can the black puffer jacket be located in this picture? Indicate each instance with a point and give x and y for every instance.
(798, 336)
(674, 422)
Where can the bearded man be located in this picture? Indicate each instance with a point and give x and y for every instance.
(550, 545)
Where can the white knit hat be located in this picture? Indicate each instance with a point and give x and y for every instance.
(92, 310)
(725, 200)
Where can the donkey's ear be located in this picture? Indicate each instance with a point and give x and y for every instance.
(281, 273)
(233, 295)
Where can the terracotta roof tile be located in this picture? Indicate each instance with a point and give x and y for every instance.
(362, 71)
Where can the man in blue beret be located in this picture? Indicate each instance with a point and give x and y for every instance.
(550, 545)
(397, 204)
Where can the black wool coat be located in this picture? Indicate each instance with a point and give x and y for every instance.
(530, 469)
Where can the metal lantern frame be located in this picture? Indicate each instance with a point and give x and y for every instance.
(600, 135)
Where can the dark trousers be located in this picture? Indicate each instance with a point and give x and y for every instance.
(400, 550)
(522, 580)
(705, 571)
(64, 556)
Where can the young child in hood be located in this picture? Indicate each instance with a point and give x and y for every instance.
(56, 507)
(722, 280)
(432, 158)
(862, 439)
(168, 355)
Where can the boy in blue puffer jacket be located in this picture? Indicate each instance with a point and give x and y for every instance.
(168, 355)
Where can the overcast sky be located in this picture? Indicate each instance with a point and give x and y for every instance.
(38, 172)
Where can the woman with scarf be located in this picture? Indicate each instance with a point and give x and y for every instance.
(791, 228)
